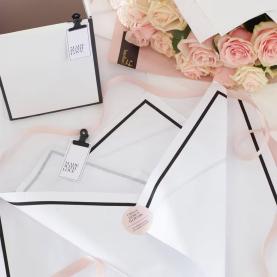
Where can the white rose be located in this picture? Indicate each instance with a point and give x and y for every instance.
(162, 43)
(165, 16)
(252, 78)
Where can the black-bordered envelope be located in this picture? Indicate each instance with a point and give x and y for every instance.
(122, 159)
(49, 69)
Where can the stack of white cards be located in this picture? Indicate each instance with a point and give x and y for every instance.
(209, 17)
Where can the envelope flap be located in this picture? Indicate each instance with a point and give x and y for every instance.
(186, 191)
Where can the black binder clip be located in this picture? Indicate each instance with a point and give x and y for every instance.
(77, 22)
(83, 137)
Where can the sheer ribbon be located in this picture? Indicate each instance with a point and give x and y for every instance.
(158, 92)
(269, 238)
(81, 264)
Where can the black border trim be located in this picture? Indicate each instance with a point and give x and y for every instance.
(183, 146)
(4, 251)
(129, 115)
(97, 76)
(5, 99)
(145, 102)
(257, 149)
(36, 203)
(94, 52)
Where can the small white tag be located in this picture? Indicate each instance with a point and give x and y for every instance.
(78, 43)
(74, 161)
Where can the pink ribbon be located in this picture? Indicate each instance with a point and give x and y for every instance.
(269, 238)
(246, 98)
(79, 265)
(158, 92)
(82, 263)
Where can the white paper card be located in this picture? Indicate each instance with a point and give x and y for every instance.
(37, 77)
(227, 15)
(74, 161)
(273, 15)
(186, 191)
(197, 20)
(78, 45)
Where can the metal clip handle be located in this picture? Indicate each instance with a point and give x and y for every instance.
(77, 22)
(83, 137)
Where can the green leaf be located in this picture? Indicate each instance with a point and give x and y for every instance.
(181, 34)
(178, 36)
(273, 67)
(260, 66)
(215, 48)
(175, 42)
(250, 24)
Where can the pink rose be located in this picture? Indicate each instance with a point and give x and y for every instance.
(199, 54)
(140, 36)
(189, 70)
(265, 42)
(236, 49)
(115, 4)
(162, 43)
(223, 76)
(193, 72)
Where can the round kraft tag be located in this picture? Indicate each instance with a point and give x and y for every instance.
(137, 220)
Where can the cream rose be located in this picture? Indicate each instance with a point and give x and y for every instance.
(140, 36)
(189, 70)
(133, 12)
(265, 42)
(180, 60)
(252, 78)
(162, 43)
(200, 54)
(165, 16)
(115, 4)
(122, 16)
(138, 11)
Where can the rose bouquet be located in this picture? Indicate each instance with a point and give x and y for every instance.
(246, 57)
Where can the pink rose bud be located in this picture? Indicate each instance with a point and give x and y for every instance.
(236, 49)
(140, 36)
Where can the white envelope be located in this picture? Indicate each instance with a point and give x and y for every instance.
(36, 76)
(273, 15)
(32, 250)
(251, 197)
(122, 157)
(227, 15)
(197, 20)
(92, 220)
(187, 191)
